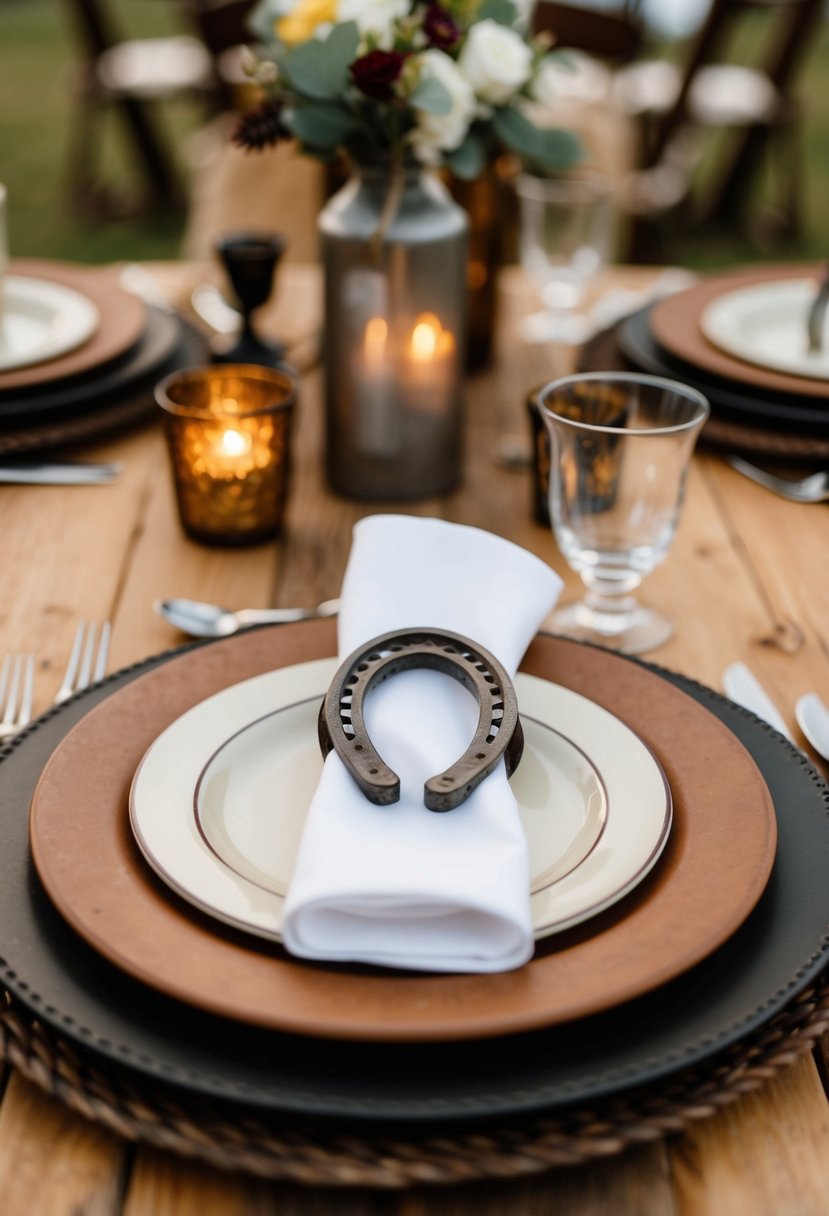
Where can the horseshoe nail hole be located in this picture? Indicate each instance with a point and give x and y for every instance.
(480, 755)
(373, 771)
(362, 666)
(446, 780)
(358, 747)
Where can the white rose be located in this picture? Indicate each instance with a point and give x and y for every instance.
(495, 60)
(438, 133)
(373, 16)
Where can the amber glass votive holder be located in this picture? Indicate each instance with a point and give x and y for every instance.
(228, 432)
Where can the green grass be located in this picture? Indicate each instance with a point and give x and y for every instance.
(39, 50)
(799, 164)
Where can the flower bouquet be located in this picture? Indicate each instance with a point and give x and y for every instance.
(402, 87)
(450, 83)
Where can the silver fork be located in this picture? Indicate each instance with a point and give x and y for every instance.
(814, 488)
(85, 667)
(17, 670)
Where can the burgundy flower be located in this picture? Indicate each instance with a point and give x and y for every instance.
(439, 28)
(375, 73)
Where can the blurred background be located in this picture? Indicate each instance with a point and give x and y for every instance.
(116, 116)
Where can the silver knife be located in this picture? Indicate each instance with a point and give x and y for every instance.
(742, 686)
(58, 473)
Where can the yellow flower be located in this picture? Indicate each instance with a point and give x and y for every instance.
(300, 24)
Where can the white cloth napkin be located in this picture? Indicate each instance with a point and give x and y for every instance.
(399, 885)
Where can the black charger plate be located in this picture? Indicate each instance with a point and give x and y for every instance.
(639, 346)
(115, 1020)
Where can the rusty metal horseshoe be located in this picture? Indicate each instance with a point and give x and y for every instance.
(498, 733)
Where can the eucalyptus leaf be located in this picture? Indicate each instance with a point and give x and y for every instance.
(505, 12)
(469, 160)
(558, 148)
(432, 96)
(306, 69)
(319, 68)
(319, 126)
(547, 147)
(341, 49)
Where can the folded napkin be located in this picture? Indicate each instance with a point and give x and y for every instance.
(399, 885)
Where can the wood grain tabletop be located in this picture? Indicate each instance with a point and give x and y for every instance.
(747, 578)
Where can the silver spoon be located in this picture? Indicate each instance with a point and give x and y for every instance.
(211, 621)
(813, 719)
(208, 303)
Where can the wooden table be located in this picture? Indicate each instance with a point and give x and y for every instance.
(746, 579)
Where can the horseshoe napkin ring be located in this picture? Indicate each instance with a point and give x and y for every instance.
(498, 733)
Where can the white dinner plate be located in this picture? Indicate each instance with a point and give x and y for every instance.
(766, 324)
(218, 802)
(40, 320)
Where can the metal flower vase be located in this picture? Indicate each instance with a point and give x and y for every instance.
(394, 250)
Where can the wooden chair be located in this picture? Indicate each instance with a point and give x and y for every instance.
(232, 189)
(755, 104)
(127, 76)
(615, 36)
(221, 25)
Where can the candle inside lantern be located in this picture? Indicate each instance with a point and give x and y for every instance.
(377, 431)
(374, 343)
(228, 430)
(430, 361)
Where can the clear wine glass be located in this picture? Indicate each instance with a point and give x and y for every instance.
(566, 238)
(620, 448)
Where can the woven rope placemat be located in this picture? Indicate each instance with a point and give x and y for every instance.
(82, 428)
(237, 1139)
(105, 421)
(601, 353)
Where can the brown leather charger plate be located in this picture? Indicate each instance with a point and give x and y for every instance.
(123, 318)
(675, 324)
(711, 875)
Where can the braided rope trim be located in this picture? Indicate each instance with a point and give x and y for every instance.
(99, 424)
(323, 1156)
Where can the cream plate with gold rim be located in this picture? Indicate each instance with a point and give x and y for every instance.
(767, 324)
(218, 803)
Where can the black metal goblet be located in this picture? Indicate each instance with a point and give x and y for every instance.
(250, 260)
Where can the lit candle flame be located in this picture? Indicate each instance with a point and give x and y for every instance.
(374, 341)
(234, 443)
(425, 338)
